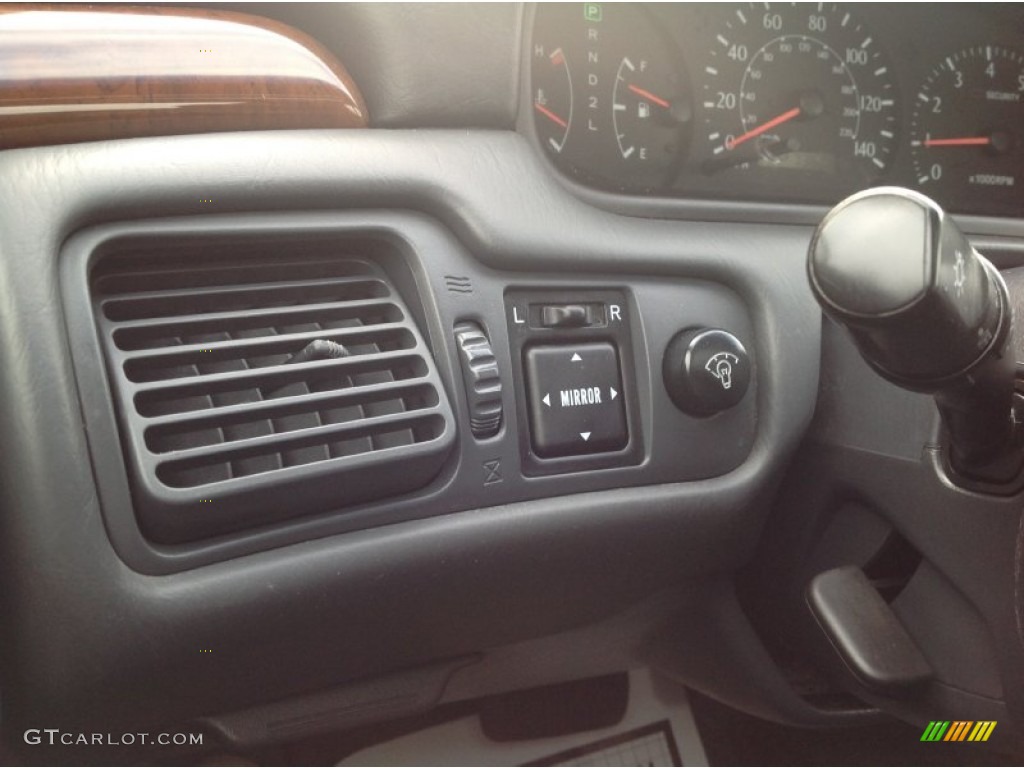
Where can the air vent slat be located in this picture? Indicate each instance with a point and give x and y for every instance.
(356, 454)
(258, 352)
(228, 413)
(371, 334)
(301, 437)
(252, 387)
(135, 273)
(148, 303)
(401, 365)
(254, 318)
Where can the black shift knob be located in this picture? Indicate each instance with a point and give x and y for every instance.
(923, 307)
(926, 311)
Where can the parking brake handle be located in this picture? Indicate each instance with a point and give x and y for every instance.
(928, 313)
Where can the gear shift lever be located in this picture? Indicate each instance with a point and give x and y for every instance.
(927, 313)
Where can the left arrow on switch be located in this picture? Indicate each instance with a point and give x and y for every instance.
(546, 400)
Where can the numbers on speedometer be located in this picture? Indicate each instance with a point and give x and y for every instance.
(800, 87)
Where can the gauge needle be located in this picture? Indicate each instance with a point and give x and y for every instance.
(974, 141)
(550, 115)
(785, 117)
(649, 96)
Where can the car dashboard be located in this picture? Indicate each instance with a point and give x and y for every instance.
(359, 361)
(799, 103)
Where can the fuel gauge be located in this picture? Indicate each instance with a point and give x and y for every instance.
(647, 123)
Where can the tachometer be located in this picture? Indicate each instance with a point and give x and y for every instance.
(967, 133)
(800, 86)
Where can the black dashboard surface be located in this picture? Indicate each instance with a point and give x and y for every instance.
(471, 587)
(359, 171)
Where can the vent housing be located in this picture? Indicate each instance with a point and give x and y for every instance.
(256, 382)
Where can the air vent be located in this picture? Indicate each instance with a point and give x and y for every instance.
(259, 383)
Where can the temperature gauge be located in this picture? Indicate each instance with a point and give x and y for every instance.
(552, 96)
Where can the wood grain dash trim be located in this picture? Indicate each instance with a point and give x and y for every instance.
(71, 73)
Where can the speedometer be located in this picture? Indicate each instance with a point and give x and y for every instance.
(798, 87)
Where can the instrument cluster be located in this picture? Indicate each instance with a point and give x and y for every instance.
(792, 102)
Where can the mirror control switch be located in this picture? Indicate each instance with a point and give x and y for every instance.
(575, 399)
(565, 316)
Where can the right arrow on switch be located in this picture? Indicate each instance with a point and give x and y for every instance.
(612, 392)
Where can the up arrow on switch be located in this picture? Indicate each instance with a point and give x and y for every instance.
(576, 357)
